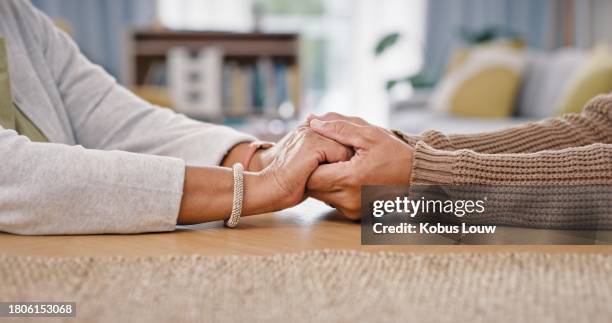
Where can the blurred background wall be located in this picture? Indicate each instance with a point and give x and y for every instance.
(369, 58)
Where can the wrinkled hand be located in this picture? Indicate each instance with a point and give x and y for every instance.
(291, 161)
(380, 158)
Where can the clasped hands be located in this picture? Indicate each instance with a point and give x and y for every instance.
(330, 158)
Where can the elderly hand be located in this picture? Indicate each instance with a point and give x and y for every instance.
(380, 159)
(290, 162)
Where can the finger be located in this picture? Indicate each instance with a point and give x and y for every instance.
(305, 123)
(333, 152)
(332, 199)
(333, 116)
(344, 132)
(337, 200)
(327, 150)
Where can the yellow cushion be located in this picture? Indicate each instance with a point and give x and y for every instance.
(593, 78)
(488, 94)
(484, 85)
(461, 54)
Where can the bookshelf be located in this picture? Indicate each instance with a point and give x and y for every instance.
(259, 73)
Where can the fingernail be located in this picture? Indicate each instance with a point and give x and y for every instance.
(316, 123)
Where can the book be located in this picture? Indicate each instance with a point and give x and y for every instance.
(258, 88)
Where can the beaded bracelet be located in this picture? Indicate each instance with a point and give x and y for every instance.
(232, 222)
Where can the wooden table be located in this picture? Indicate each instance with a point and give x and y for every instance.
(310, 226)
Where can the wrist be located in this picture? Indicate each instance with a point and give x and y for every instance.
(405, 176)
(260, 195)
(258, 156)
(243, 153)
(235, 155)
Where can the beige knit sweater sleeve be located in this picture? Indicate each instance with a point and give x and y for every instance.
(559, 153)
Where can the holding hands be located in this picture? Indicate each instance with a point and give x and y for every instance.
(328, 159)
(293, 159)
(331, 158)
(380, 158)
(274, 179)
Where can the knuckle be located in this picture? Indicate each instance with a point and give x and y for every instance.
(330, 116)
(340, 125)
(359, 120)
(361, 141)
(304, 131)
(370, 132)
(311, 134)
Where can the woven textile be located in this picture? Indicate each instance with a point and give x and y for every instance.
(324, 286)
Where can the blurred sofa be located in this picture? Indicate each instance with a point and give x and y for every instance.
(486, 94)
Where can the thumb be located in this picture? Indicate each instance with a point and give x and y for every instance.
(342, 131)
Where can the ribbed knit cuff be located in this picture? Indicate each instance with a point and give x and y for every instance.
(407, 138)
(432, 166)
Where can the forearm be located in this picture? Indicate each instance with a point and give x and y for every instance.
(572, 130)
(208, 195)
(82, 191)
(567, 189)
